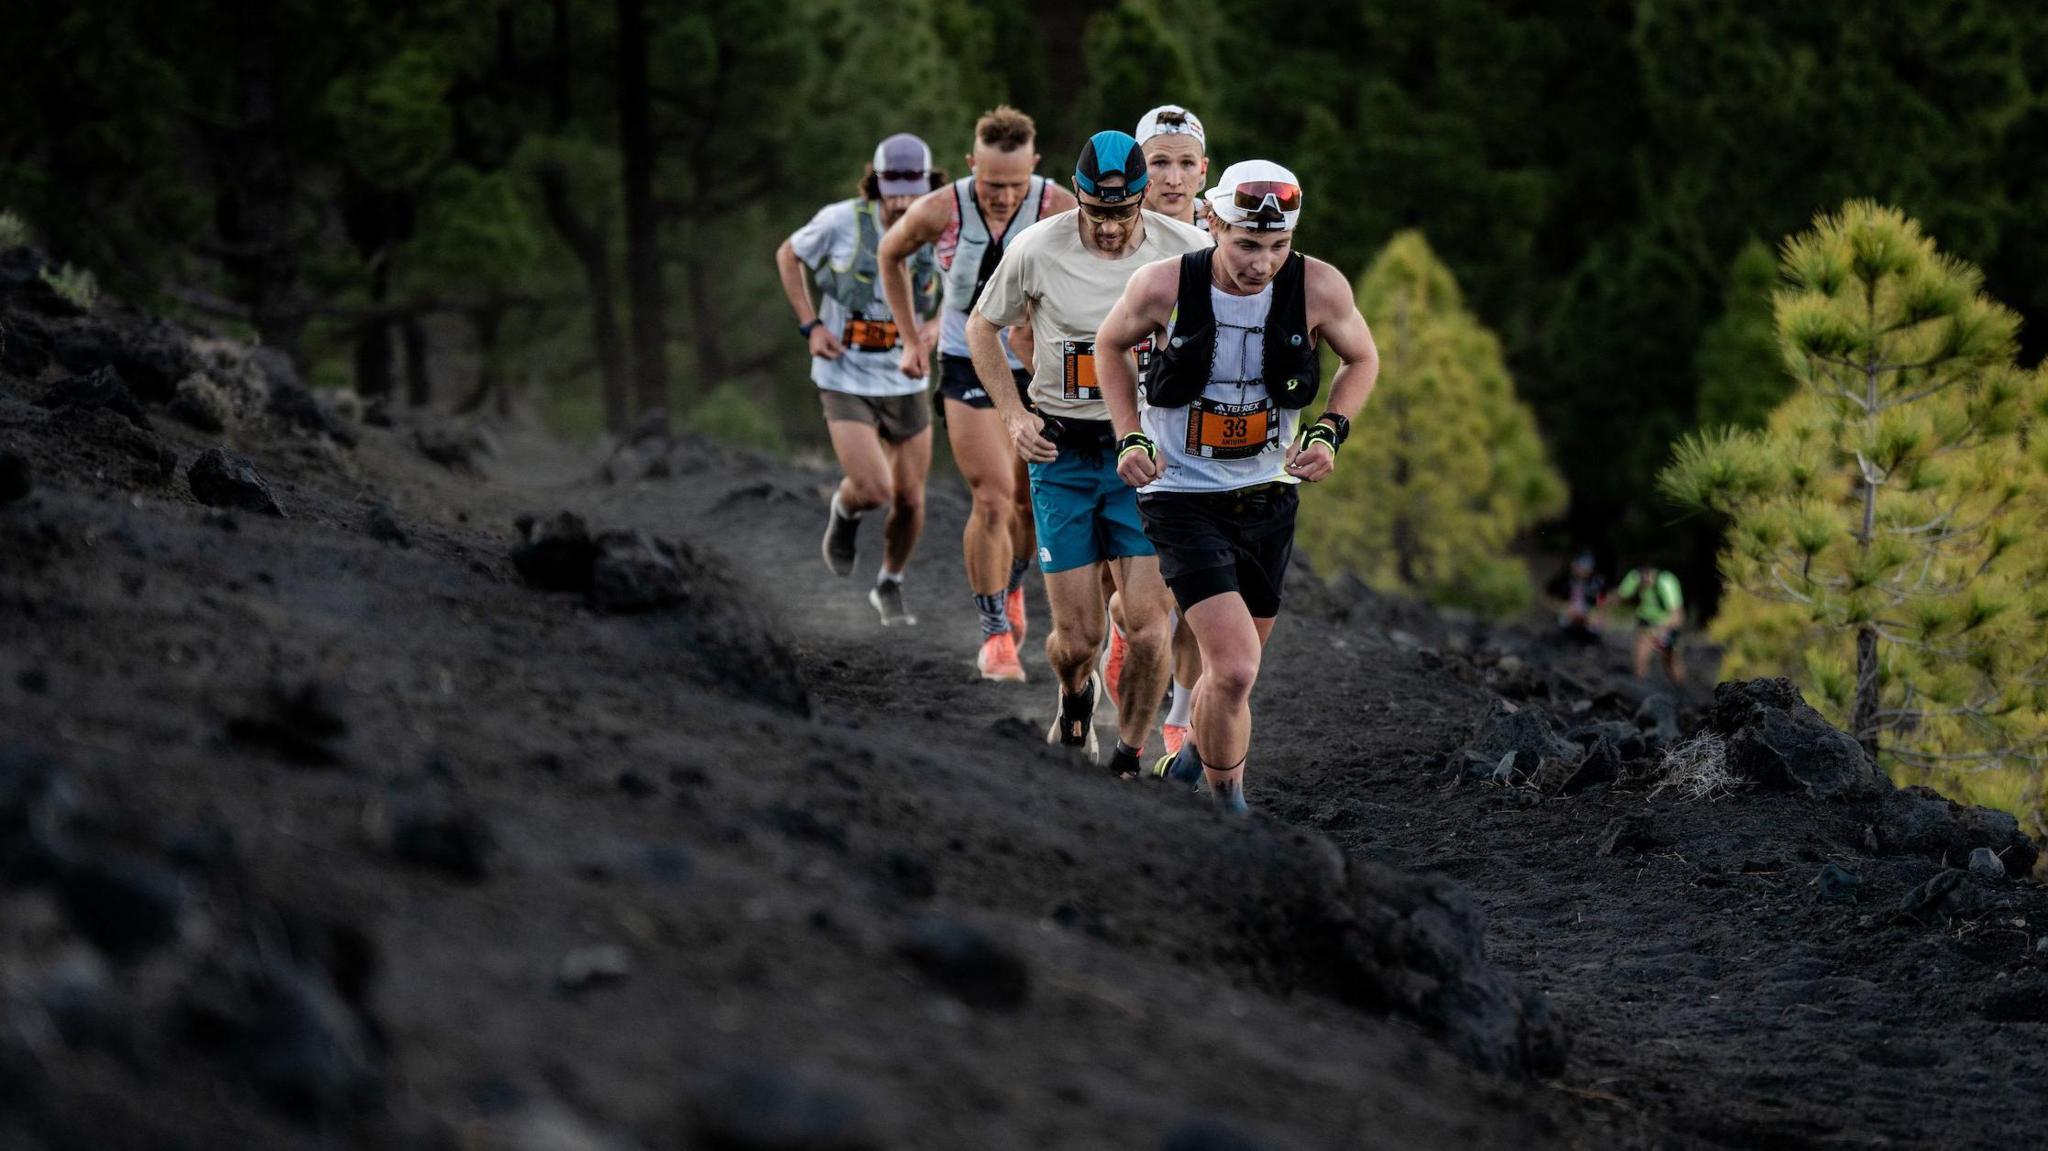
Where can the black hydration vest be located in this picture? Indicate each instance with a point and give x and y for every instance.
(1290, 367)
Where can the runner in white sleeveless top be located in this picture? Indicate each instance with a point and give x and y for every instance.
(1218, 445)
(971, 222)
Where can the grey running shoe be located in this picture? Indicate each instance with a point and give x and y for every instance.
(841, 534)
(888, 600)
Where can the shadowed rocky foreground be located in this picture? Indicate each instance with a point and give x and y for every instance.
(371, 781)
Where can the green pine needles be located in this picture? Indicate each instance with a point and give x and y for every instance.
(1881, 540)
(1444, 469)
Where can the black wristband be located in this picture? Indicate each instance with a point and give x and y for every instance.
(1318, 433)
(1338, 424)
(807, 327)
(1138, 441)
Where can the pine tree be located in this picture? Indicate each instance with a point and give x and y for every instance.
(1741, 370)
(1882, 528)
(1444, 468)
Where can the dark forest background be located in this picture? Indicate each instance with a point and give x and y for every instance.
(572, 204)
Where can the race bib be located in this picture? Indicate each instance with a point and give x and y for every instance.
(1218, 431)
(1077, 359)
(870, 335)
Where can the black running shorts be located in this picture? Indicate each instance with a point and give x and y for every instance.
(1211, 543)
(958, 382)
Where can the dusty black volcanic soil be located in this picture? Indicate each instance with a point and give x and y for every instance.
(329, 830)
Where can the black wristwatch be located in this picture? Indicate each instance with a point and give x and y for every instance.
(1338, 424)
(808, 327)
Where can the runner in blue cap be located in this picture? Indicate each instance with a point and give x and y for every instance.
(1064, 274)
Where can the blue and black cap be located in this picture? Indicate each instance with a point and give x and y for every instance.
(1111, 153)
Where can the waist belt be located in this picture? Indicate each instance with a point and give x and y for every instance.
(870, 335)
(1092, 440)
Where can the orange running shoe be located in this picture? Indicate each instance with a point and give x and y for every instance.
(1175, 735)
(1113, 663)
(998, 659)
(1013, 606)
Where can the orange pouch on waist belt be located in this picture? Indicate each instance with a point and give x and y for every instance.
(1077, 360)
(1231, 431)
(871, 335)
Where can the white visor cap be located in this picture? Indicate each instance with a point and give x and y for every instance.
(1171, 120)
(1270, 215)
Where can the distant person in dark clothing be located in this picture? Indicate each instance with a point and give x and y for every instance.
(1584, 591)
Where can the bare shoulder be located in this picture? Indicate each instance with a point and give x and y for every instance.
(928, 217)
(1327, 285)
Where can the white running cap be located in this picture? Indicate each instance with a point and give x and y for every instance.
(1263, 217)
(1171, 120)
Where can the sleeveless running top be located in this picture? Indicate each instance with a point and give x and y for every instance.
(1232, 435)
(968, 256)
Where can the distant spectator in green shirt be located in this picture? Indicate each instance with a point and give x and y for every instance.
(1660, 612)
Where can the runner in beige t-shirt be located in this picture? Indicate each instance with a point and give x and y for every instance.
(1064, 273)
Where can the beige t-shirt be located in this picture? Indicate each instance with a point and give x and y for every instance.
(1068, 291)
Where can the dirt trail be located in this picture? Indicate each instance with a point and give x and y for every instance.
(415, 856)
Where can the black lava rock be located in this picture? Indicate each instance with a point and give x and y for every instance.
(286, 1032)
(223, 480)
(1774, 738)
(17, 479)
(152, 356)
(1527, 735)
(1919, 821)
(455, 449)
(1208, 1135)
(306, 721)
(1657, 717)
(770, 1111)
(127, 908)
(1628, 833)
(383, 525)
(442, 836)
(101, 389)
(1837, 884)
(555, 554)
(967, 962)
(634, 572)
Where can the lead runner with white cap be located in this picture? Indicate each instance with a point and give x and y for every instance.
(1217, 446)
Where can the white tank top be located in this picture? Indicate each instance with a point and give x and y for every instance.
(1233, 436)
(960, 252)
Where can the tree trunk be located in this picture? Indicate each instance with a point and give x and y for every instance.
(373, 359)
(488, 321)
(419, 383)
(707, 334)
(1864, 718)
(589, 241)
(254, 208)
(643, 224)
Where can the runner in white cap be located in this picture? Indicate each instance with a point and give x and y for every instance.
(1177, 161)
(1218, 445)
(877, 416)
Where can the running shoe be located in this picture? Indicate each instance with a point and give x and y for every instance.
(1174, 735)
(1013, 605)
(887, 597)
(998, 659)
(1113, 663)
(1182, 766)
(1076, 727)
(841, 534)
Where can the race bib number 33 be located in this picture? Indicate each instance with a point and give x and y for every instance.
(1231, 431)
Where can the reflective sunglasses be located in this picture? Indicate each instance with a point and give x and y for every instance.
(1253, 196)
